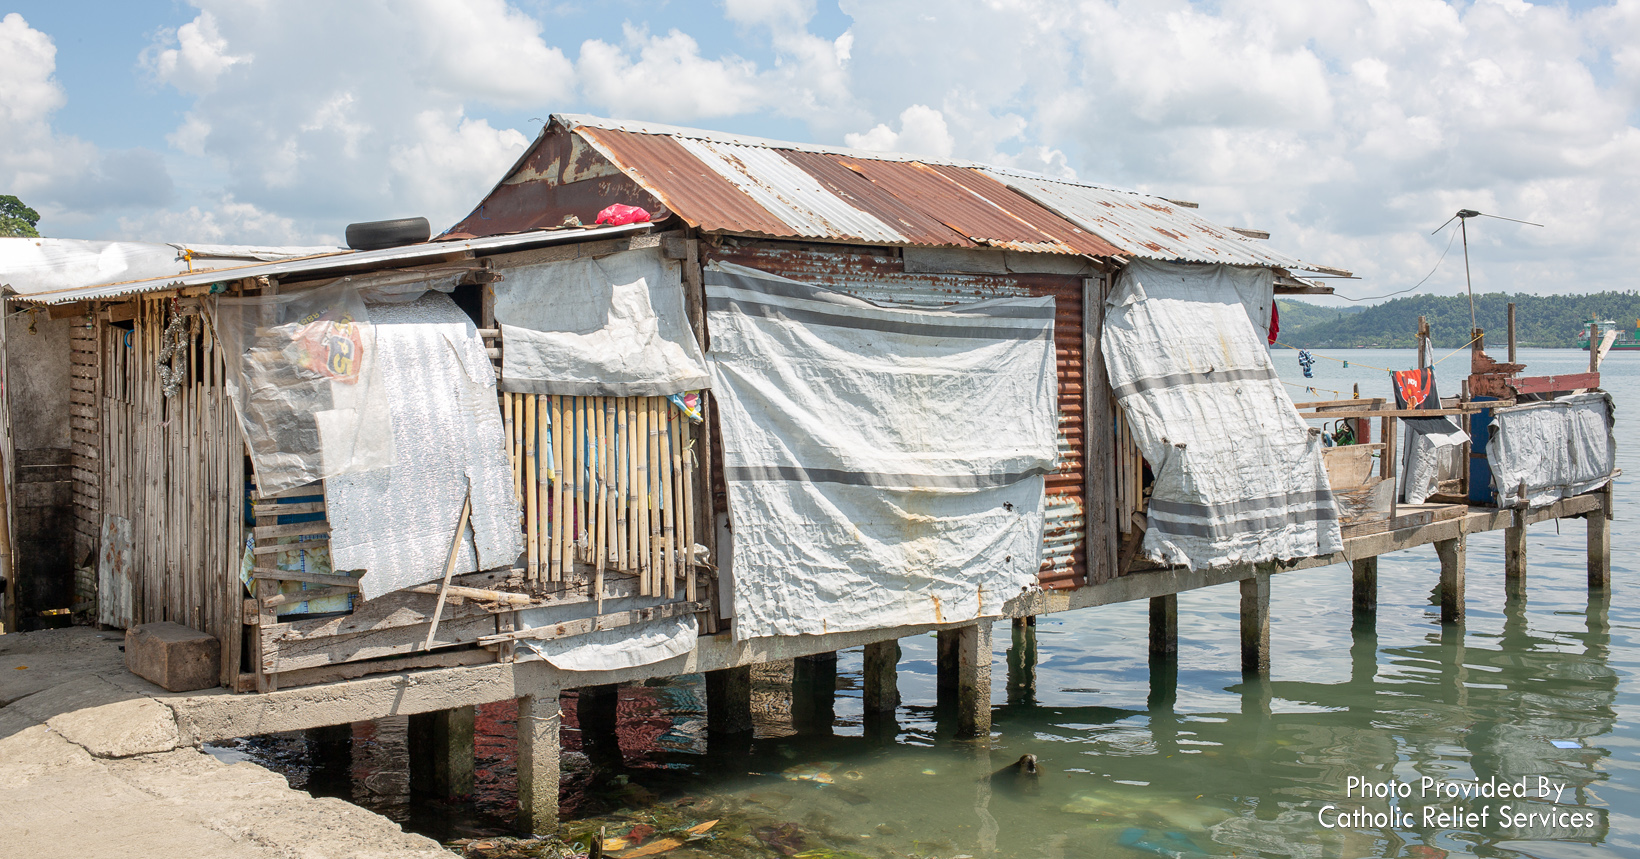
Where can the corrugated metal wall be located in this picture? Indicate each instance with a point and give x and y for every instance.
(879, 274)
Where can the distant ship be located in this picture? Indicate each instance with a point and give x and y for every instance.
(1628, 339)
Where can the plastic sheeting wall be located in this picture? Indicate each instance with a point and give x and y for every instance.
(397, 523)
(1238, 474)
(884, 465)
(1556, 449)
(611, 326)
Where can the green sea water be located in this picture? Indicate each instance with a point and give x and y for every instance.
(1539, 690)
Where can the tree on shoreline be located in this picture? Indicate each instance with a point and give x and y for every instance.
(17, 220)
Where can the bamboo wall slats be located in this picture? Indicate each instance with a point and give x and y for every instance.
(173, 467)
(602, 482)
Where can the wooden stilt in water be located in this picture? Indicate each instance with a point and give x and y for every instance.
(1600, 542)
(1164, 625)
(532, 513)
(1255, 623)
(1514, 551)
(1452, 554)
(1364, 584)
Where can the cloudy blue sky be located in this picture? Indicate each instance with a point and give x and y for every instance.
(1347, 129)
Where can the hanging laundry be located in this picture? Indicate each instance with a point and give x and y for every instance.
(1307, 362)
(1346, 365)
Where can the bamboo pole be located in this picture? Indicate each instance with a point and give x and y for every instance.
(622, 466)
(668, 582)
(689, 591)
(511, 432)
(532, 538)
(557, 412)
(545, 430)
(640, 496)
(674, 438)
(656, 540)
(600, 554)
(450, 565)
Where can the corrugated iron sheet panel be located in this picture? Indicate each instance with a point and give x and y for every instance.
(1025, 210)
(693, 191)
(912, 221)
(791, 194)
(1145, 226)
(880, 276)
(963, 210)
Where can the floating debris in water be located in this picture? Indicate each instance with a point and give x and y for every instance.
(1566, 744)
(817, 772)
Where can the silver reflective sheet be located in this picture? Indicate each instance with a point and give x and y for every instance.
(397, 523)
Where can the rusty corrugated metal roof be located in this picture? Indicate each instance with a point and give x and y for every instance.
(746, 185)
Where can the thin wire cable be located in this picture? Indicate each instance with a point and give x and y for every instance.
(1459, 349)
(1416, 285)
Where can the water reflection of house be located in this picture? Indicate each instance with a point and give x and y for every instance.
(938, 392)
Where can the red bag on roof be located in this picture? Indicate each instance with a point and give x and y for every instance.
(618, 214)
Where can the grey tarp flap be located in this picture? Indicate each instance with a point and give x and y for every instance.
(611, 326)
(396, 523)
(1557, 449)
(885, 465)
(1239, 475)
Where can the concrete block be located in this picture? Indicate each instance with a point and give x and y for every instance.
(173, 656)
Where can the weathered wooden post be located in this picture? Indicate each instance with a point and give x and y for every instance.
(881, 689)
(1512, 332)
(1164, 626)
(1514, 551)
(965, 668)
(729, 701)
(1255, 622)
(441, 752)
(1364, 585)
(539, 721)
(1452, 554)
(1600, 542)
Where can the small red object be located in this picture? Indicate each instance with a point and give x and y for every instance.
(1275, 321)
(617, 214)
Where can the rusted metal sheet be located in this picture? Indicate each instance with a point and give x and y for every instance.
(877, 274)
(790, 194)
(689, 188)
(558, 178)
(979, 218)
(916, 224)
(735, 184)
(1150, 227)
(1026, 211)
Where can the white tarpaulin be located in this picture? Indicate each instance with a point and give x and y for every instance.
(885, 465)
(1431, 457)
(1558, 449)
(613, 326)
(609, 649)
(1238, 474)
(396, 523)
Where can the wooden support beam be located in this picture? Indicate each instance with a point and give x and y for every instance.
(1514, 551)
(1512, 332)
(1255, 623)
(1164, 625)
(1453, 554)
(1600, 542)
(881, 690)
(539, 723)
(1364, 584)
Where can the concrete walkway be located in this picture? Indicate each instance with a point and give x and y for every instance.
(92, 763)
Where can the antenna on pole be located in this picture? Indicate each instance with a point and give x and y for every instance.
(1462, 217)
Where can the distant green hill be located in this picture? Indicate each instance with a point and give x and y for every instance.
(1540, 320)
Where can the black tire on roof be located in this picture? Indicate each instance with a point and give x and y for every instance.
(374, 235)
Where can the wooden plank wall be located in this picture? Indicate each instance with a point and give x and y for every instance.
(173, 466)
(85, 434)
